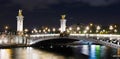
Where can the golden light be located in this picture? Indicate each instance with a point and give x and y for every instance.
(48, 30)
(32, 31)
(39, 31)
(85, 31)
(90, 31)
(98, 28)
(115, 26)
(115, 30)
(36, 31)
(91, 24)
(44, 30)
(6, 27)
(87, 28)
(26, 35)
(26, 30)
(59, 29)
(68, 31)
(103, 30)
(111, 27)
(78, 28)
(70, 28)
(53, 29)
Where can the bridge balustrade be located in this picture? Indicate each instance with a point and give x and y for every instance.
(105, 39)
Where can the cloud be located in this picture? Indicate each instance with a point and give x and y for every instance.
(99, 2)
(31, 4)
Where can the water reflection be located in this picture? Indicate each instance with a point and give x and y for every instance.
(85, 49)
(92, 52)
(82, 51)
(31, 53)
(5, 53)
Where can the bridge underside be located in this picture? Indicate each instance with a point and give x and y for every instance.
(54, 42)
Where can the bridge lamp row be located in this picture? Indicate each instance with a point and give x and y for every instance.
(70, 28)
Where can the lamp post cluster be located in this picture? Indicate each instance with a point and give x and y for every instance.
(79, 29)
(94, 29)
(82, 29)
(45, 30)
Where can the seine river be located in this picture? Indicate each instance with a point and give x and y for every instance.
(75, 52)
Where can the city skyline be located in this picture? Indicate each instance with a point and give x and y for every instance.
(48, 13)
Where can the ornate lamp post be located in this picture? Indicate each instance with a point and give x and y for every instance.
(111, 28)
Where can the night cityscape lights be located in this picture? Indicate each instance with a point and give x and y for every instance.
(80, 29)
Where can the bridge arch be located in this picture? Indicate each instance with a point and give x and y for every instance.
(57, 40)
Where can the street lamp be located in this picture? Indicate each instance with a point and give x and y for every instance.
(87, 28)
(78, 28)
(115, 26)
(26, 30)
(53, 29)
(98, 28)
(32, 31)
(6, 28)
(111, 27)
(91, 24)
(70, 28)
(39, 31)
(44, 30)
(115, 30)
(85, 31)
(48, 30)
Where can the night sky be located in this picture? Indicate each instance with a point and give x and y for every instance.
(47, 12)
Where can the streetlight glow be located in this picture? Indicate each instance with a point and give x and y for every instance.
(98, 28)
(115, 30)
(53, 29)
(70, 28)
(111, 27)
(87, 28)
(78, 28)
(6, 27)
(91, 24)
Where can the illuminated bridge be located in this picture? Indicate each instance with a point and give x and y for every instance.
(111, 40)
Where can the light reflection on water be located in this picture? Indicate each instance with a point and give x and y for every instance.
(5, 53)
(31, 53)
(90, 52)
(85, 49)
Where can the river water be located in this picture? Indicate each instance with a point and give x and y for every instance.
(75, 52)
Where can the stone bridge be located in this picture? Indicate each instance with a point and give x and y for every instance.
(111, 40)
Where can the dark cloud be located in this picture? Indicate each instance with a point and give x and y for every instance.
(31, 4)
(99, 2)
